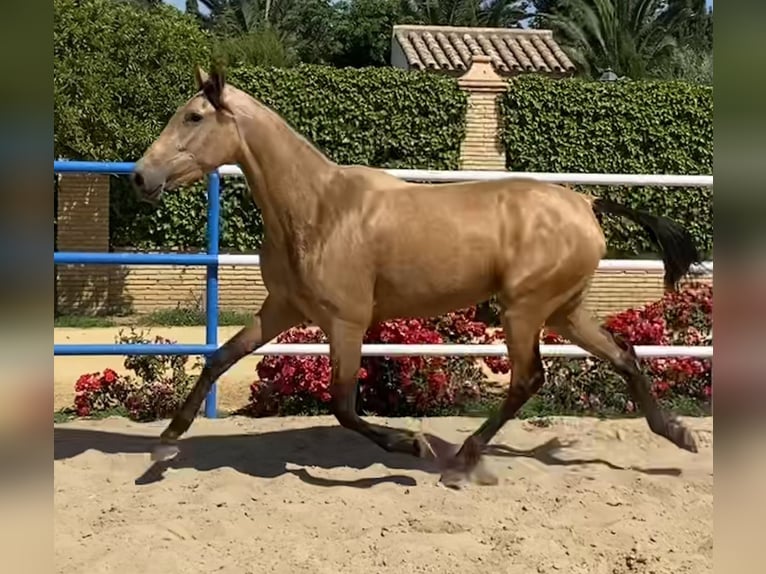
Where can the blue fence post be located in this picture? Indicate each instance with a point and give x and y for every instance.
(211, 291)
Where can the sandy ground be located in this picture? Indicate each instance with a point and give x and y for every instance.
(301, 495)
(233, 386)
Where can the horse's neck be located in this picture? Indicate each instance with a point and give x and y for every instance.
(286, 174)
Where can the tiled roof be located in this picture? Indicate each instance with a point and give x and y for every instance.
(511, 50)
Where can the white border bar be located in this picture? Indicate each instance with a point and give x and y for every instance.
(254, 260)
(439, 176)
(454, 350)
(245, 260)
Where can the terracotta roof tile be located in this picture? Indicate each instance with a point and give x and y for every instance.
(511, 50)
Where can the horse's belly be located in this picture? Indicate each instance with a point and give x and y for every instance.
(429, 292)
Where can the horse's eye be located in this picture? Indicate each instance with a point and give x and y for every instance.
(193, 117)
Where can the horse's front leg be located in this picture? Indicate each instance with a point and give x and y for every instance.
(274, 317)
(346, 354)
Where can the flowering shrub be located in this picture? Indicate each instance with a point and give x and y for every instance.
(158, 388)
(592, 386)
(387, 385)
(99, 392)
(420, 385)
(423, 385)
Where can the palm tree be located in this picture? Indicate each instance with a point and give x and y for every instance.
(691, 23)
(502, 13)
(631, 37)
(490, 13)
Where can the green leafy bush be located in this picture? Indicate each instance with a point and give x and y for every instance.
(121, 69)
(119, 72)
(621, 127)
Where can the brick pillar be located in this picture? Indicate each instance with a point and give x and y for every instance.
(481, 148)
(83, 225)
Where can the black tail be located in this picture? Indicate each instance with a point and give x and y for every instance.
(678, 249)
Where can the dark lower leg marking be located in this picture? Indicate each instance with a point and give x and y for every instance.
(527, 376)
(640, 387)
(273, 318)
(346, 354)
(391, 440)
(519, 393)
(228, 354)
(580, 328)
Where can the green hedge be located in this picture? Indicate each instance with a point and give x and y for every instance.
(119, 72)
(381, 117)
(621, 127)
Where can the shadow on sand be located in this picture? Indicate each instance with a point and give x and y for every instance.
(266, 455)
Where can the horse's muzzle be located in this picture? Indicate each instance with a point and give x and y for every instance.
(149, 188)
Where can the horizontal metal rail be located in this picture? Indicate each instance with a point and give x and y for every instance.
(375, 350)
(445, 176)
(254, 260)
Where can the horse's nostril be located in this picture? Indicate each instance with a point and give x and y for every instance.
(138, 179)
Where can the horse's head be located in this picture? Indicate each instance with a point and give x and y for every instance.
(200, 137)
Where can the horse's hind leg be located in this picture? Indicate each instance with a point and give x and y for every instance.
(577, 325)
(345, 354)
(274, 317)
(521, 326)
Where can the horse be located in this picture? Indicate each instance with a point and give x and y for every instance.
(347, 246)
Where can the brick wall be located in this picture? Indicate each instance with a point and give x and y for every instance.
(146, 289)
(242, 289)
(613, 291)
(83, 225)
(481, 147)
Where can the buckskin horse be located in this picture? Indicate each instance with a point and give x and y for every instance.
(346, 246)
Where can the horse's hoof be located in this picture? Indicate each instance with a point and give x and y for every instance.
(482, 475)
(453, 480)
(165, 452)
(458, 476)
(681, 436)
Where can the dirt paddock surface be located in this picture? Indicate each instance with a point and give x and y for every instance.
(301, 494)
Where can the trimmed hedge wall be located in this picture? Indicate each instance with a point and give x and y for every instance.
(120, 70)
(381, 117)
(622, 127)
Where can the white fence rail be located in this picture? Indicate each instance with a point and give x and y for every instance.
(706, 268)
(476, 350)
(438, 176)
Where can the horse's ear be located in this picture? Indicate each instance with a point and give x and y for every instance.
(213, 87)
(201, 76)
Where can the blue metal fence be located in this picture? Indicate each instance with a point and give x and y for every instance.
(209, 260)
